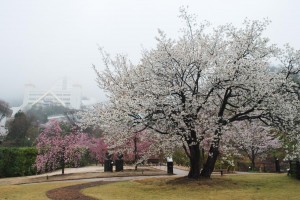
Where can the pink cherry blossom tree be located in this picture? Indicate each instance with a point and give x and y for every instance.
(97, 149)
(135, 148)
(56, 148)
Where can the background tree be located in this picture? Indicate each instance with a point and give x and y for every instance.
(97, 149)
(4, 109)
(136, 149)
(22, 131)
(253, 139)
(17, 130)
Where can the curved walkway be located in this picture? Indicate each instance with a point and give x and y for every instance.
(73, 192)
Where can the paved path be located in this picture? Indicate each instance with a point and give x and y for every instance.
(176, 171)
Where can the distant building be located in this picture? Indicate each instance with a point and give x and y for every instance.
(60, 94)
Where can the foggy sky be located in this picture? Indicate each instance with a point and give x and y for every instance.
(43, 41)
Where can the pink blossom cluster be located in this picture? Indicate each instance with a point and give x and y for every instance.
(56, 148)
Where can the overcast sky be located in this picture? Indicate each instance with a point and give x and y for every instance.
(43, 41)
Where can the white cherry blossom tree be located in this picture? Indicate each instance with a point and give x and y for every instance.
(187, 89)
(253, 139)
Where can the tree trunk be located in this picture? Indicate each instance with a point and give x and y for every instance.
(62, 166)
(212, 156)
(62, 161)
(194, 161)
(202, 158)
(210, 162)
(135, 152)
(253, 161)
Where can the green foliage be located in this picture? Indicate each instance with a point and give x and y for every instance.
(17, 161)
(41, 113)
(17, 130)
(21, 132)
(180, 157)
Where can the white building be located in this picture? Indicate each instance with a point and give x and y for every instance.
(60, 94)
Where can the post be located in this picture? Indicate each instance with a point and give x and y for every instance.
(277, 165)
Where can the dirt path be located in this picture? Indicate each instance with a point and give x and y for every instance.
(73, 192)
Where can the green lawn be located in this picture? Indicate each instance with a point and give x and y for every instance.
(30, 192)
(252, 186)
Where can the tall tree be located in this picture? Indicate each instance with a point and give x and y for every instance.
(191, 88)
(17, 130)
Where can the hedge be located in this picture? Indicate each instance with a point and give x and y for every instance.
(17, 161)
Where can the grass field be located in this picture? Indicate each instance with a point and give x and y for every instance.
(30, 192)
(252, 186)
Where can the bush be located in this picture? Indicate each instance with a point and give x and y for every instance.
(180, 158)
(17, 161)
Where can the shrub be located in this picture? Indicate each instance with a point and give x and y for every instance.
(180, 158)
(17, 161)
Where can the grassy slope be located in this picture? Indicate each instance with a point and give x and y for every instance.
(265, 186)
(30, 192)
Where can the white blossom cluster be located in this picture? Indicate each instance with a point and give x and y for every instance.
(190, 89)
(253, 139)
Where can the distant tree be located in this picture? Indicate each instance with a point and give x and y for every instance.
(136, 147)
(56, 148)
(42, 113)
(4, 109)
(253, 139)
(38, 114)
(17, 130)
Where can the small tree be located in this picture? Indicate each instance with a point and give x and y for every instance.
(136, 147)
(56, 149)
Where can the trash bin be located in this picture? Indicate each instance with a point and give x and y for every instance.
(108, 163)
(119, 162)
(169, 165)
(119, 165)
